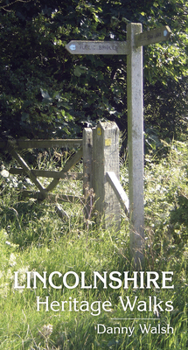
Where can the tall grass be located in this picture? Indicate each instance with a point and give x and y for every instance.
(34, 238)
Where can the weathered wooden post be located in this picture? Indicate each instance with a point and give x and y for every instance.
(87, 170)
(135, 143)
(106, 158)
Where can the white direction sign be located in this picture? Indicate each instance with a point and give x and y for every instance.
(152, 36)
(97, 47)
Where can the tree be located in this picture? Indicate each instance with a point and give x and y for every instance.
(50, 92)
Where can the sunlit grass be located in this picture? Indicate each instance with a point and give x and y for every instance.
(34, 238)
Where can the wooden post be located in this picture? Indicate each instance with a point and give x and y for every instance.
(87, 170)
(106, 158)
(135, 144)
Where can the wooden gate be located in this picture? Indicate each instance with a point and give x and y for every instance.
(13, 148)
(100, 151)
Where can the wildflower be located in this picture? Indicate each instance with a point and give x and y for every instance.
(46, 331)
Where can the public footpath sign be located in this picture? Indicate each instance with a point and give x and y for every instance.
(97, 47)
(133, 48)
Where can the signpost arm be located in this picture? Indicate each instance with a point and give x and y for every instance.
(135, 144)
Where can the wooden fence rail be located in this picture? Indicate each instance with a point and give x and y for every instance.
(48, 174)
(26, 144)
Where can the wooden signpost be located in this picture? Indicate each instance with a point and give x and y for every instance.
(133, 48)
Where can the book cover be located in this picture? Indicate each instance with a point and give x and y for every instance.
(93, 232)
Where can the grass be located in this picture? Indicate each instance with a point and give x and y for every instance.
(34, 238)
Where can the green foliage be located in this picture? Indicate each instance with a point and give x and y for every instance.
(166, 192)
(49, 92)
